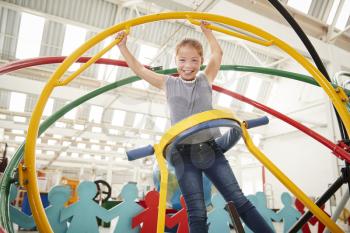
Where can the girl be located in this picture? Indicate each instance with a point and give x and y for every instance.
(189, 94)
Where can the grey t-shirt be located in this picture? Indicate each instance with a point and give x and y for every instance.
(186, 99)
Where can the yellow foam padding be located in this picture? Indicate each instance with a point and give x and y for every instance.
(167, 138)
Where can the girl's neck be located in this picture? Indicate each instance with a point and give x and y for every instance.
(188, 81)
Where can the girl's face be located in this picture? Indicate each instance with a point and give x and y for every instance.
(188, 62)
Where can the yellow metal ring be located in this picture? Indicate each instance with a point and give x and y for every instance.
(29, 155)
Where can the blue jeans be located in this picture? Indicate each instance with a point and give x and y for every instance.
(190, 161)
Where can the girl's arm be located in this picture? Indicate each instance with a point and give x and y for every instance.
(214, 63)
(149, 76)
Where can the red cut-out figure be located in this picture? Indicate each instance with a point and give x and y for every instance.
(2, 230)
(148, 216)
(180, 219)
(315, 220)
(300, 207)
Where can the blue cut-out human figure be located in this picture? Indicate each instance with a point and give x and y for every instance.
(288, 213)
(218, 218)
(267, 213)
(84, 211)
(126, 210)
(57, 196)
(16, 215)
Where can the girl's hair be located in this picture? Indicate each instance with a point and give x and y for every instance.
(193, 43)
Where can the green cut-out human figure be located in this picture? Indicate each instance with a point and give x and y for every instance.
(288, 213)
(218, 218)
(85, 210)
(126, 210)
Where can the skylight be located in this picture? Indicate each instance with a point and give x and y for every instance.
(95, 114)
(118, 117)
(343, 16)
(60, 124)
(333, 11)
(96, 129)
(19, 119)
(95, 147)
(225, 100)
(138, 121)
(160, 124)
(146, 55)
(71, 114)
(109, 72)
(300, 5)
(29, 36)
(252, 91)
(48, 108)
(81, 145)
(142, 84)
(51, 142)
(17, 102)
(73, 38)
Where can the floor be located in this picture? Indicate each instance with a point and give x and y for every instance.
(278, 227)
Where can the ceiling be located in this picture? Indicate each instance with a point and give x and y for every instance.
(81, 143)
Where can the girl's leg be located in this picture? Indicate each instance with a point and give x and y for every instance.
(190, 180)
(220, 173)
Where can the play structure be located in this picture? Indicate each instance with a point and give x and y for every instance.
(26, 172)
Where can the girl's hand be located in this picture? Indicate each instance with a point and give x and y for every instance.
(123, 36)
(204, 26)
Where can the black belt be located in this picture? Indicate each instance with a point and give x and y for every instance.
(181, 147)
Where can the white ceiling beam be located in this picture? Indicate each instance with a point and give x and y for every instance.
(170, 5)
(135, 104)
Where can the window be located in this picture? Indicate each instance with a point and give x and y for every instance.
(160, 124)
(19, 119)
(17, 102)
(71, 114)
(48, 108)
(118, 117)
(109, 72)
(73, 38)
(95, 129)
(223, 99)
(30, 35)
(300, 5)
(138, 121)
(333, 11)
(343, 16)
(95, 114)
(146, 55)
(252, 91)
